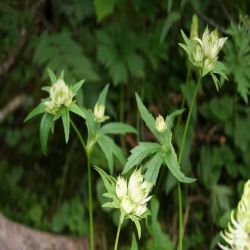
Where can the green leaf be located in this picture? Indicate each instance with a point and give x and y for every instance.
(139, 153)
(91, 124)
(52, 76)
(66, 124)
(36, 111)
(172, 164)
(117, 128)
(81, 111)
(134, 243)
(61, 75)
(103, 95)
(46, 89)
(170, 118)
(187, 41)
(117, 152)
(104, 8)
(105, 145)
(75, 87)
(137, 225)
(147, 117)
(51, 47)
(153, 166)
(108, 181)
(216, 81)
(170, 20)
(45, 126)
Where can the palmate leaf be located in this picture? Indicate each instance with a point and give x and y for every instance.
(45, 126)
(117, 128)
(172, 164)
(39, 109)
(147, 117)
(59, 51)
(139, 153)
(153, 167)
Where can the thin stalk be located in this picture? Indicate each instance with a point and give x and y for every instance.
(117, 237)
(91, 224)
(88, 155)
(180, 159)
(122, 111)
(183, 101)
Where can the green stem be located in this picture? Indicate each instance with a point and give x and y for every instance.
(184, 137)
(117, 237)
(183, 101)
(180, 159)
(88, 155)
(91, 224)
(180, 214)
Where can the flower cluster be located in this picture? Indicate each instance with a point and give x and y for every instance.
(205, 53)
(134, 196)
(60, 95)
(237, 236)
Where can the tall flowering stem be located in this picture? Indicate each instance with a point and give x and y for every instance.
(183, 141)
(90, 196)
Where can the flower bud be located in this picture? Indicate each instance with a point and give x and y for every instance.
(121, 187)
(99, 111)
(160, 124)
(198, 54)
(127, 205)
(194, 27)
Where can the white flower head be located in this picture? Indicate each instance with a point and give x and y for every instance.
(211, 43)
(198, 54)
(140, 210)
(127, 205)
(50, 107)
(209, 65)
(160, 124)
(60, 93)
(138, 188)
(121, 187)
(237, 236)
(99, 111)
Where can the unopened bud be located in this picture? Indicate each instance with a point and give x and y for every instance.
(160, 124)
(121, 187)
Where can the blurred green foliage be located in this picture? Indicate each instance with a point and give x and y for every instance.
(134, 46)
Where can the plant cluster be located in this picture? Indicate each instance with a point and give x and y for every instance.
(182, 164)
